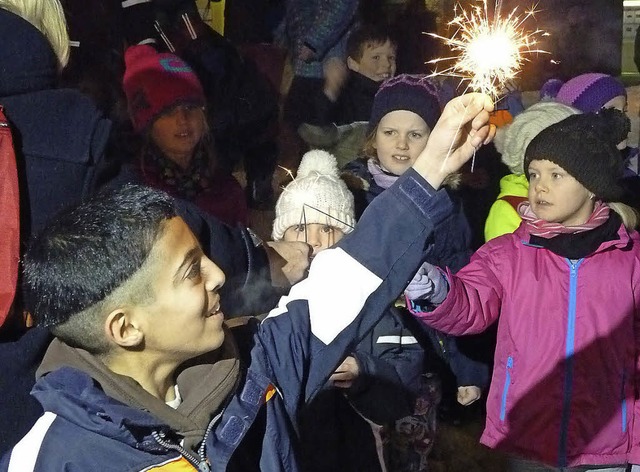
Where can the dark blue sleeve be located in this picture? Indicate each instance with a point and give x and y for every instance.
(325, 316)
(248, 289)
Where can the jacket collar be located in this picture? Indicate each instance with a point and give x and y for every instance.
(205, 385)
(623, 239)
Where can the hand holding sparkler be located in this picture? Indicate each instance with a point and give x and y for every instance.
(462, 128)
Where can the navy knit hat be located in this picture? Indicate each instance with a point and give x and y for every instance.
(416, 93)
(585, 146)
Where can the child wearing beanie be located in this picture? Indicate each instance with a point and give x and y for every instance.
(166, 103)
(511, 142)
(404, 112)
(591, 92)
(564, 290)
(378, 383)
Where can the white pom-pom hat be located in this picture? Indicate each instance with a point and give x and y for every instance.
(316, 195)
(512, 140)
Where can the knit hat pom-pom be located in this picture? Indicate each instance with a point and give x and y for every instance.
(615, 125)
(318, 161)
(550, 89)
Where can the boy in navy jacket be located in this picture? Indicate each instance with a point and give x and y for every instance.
(144, 374)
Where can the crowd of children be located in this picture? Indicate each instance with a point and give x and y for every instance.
(348, 335)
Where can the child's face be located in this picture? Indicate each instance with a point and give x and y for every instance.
(318, 236)
(378, 61)
(178, 131)
(556, 196)
(400, 138)
(619, 103)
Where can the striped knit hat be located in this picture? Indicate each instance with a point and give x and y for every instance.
(589, 92)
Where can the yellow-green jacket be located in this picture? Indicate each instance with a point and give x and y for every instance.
(503, 217)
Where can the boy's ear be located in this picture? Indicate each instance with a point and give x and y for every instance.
(121, 328)
(352, 64)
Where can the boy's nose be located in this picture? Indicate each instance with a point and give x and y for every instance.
(214, 277)
(402, 143)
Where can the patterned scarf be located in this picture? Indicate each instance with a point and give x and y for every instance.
(546, 229)
(189, 182)
(381, 177)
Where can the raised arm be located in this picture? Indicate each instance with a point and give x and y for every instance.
(313, 328)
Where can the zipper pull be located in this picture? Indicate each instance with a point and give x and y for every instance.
(204, 467)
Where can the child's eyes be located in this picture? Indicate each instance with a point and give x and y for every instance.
(327, 229)
(376, 57)
(531, 176)
(416, 135)
(388, 132)
(301, 228)
(555, 175)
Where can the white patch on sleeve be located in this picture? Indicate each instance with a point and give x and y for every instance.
(25, 453)
(402, 340)
(336, 290)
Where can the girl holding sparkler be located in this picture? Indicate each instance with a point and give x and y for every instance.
(404, 111)
(564, 289)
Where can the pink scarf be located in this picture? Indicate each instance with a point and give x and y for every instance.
(545, 229)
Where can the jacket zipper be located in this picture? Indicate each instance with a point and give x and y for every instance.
(569, 353)
(203, 447)
(624, 404)
(199, 463)
(505, 391)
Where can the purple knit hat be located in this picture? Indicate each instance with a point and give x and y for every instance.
(589, 92)
(416, 93)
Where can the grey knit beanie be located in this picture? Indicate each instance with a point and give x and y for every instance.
(512, 140)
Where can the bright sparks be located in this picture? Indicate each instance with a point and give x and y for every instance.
(490, 52)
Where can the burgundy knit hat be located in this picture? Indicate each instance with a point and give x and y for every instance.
(156, 82)
(416, 93)
(589, 92)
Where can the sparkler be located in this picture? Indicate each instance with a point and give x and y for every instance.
(488, 52)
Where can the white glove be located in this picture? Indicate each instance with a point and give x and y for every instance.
(428, 284)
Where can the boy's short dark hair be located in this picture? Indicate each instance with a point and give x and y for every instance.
(81, 257)
(365, 35)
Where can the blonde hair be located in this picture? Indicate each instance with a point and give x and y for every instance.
(48, 17)
(628, 215)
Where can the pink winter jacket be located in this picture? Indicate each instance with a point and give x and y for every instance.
(566, 368)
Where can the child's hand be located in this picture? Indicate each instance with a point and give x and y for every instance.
(335, 75)
(346, 373)
(469, 394)
(462, 128)
(288, 261)
(428, 284)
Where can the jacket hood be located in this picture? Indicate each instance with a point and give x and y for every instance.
(78, 398)
(27, 61)
(514, 184)
(205, 385)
